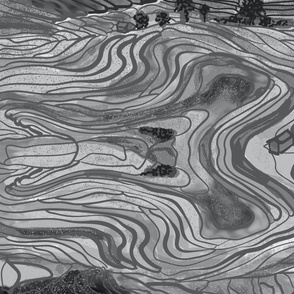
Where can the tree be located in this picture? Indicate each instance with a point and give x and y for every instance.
(142, 20)
(162, 18)
(204, 10)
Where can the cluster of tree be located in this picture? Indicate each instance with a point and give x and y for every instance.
(163, 18)
(142, 19)
(162, 170)
(264, 21)
(160, 134)
(252, 12)
(188, 5)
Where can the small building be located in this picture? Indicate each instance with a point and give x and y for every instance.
(281, 143)
(125, 27)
